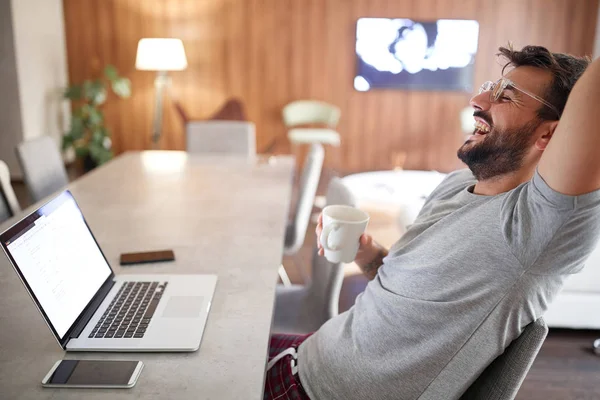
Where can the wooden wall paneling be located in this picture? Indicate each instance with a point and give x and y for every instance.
(272, 63)
(590, 26)
(139, 109)
(281, 71)
(419, 152)
(339, 68)
(117, 125)
(105, 43)
(352, 147)
(183, 87)
(440, 127)
(560, 29)
(397, 106)
(370, 113)
(386, 140)
(165, 18)
(453, 138)
(579, 18)
(270, 52)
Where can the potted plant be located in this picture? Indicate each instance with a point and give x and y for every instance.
(88, 136)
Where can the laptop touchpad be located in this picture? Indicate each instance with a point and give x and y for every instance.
(183, 307)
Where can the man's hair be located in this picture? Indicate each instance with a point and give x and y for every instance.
(566, 70)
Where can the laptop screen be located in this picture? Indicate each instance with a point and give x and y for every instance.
(58, 259)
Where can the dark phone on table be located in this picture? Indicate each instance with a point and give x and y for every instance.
(147, 257)
(93, 374)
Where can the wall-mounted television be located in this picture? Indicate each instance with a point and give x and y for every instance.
(415, 55)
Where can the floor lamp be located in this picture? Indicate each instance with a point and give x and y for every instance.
(160, 55)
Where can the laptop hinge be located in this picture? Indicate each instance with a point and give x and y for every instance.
(92, 308)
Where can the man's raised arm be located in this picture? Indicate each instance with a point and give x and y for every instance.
(571, 162)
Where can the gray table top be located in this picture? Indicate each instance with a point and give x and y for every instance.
(220, 215)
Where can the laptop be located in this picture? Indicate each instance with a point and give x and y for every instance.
(89, 308)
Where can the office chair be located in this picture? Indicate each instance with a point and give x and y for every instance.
(9, 206)
(43, 167)
(301, 309)
(309, 182)
(309, 112)
(224, 137)
(503, 376)
(502, 379)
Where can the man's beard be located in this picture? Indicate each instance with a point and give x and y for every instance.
(499, 152)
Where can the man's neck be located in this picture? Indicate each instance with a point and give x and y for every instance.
(501, 184)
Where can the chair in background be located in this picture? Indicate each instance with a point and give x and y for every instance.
(181, 111)
(230, 137)
(43, 167)
(231, 110)
(298, 114)
(9, 206)
(309, 182)
(303, 309)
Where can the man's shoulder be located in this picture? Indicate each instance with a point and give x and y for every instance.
(453, 183)
(460, 175)
(458, 179)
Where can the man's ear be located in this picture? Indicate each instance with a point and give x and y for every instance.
(548, 130)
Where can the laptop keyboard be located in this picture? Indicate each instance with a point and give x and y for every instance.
(130, 312)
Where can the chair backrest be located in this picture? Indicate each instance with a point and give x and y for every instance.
(326, 277)
(502, 379)
(181, 111)
(309, 182)
(225, 137)
(43, 167)
(231, 110)
(9, 205)
(310, 112)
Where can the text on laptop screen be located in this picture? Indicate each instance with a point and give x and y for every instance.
(60, 260)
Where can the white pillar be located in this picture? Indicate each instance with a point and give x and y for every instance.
(34, 47)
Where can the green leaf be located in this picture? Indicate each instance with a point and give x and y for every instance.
(74, 92)
(95, 116)
(77, 129)
(67, 141)
(81, 151)
(99, 153)
(111, 72)
(100, 97)
(87, 89)
(91, 116)
(94, 150)
(98, 135)
(104, 156)
(94, 91)
(79, 112)
(122, 87)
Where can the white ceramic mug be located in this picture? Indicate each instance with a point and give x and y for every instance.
(342, 228)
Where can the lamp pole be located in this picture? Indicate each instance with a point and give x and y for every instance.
(160, 82)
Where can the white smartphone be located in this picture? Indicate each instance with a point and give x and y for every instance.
(115, 374)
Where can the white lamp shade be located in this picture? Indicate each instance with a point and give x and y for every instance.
(158, 54)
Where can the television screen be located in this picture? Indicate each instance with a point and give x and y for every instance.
(407, 54)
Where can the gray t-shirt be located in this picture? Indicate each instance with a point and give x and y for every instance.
(467, 262)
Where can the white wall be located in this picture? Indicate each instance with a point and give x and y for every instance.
(39, 36)
(10, 113)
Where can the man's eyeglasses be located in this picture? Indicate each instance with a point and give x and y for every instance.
(497, 88)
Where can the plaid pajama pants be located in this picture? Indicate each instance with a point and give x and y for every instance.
(281, 383)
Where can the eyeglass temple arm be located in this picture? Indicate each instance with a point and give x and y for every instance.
(537, 98)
